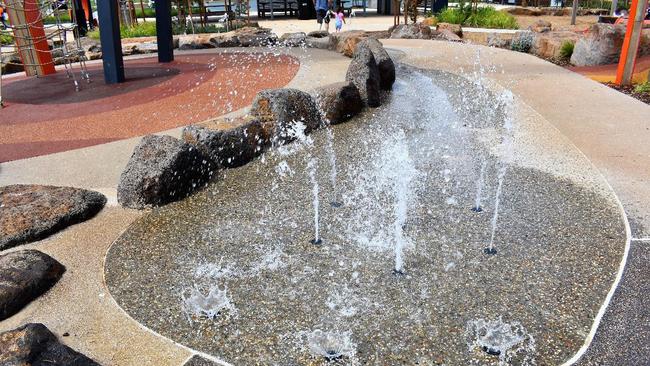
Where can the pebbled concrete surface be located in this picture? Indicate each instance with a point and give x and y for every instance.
(623, 337)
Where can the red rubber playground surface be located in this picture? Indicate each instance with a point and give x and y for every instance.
(46, 115)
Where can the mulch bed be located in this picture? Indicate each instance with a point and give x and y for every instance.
(629, 90)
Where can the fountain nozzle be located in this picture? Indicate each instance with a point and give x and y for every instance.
(477, 209)
(398, 272)
(316, 241)
(490, 251)
(336, 204)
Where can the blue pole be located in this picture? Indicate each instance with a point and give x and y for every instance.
(111, 42)
(164, 31)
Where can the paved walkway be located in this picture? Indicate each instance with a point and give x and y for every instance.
(46, 115)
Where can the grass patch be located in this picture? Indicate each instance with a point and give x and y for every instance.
(566, 50)
(63, 16)
(6, 38)
(483, 17)
(643, 88)
(148, 29)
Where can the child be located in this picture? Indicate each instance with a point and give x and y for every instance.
(340, 19)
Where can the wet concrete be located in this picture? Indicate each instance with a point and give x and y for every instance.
(559, 242)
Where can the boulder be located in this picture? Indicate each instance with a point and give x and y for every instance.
(25, 275)
(319, 34)
(338, 102)
(32, 212)
(384, 62)
(524, 11)
(548, 45)
(346, 42)
(445, 35)
(602, 45)
(295, 39)
(92, 48)
(34, 344)
(197, 360)
(364, 74)
(11, 63)
(320, 43)
(228, 39)
(230, 146)
(284, 113)
(255, 37)
(411, 31)
(541, 26)
(453, 28)
(195, 41)
(163, 169)
(430, 21)
(498, 40)
(381, 34)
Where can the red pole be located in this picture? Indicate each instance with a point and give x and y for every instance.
(631, 42)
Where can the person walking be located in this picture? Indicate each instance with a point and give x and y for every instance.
(340, 19)
(3, 15)
(322, 14)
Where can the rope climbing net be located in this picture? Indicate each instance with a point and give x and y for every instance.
(44, 33)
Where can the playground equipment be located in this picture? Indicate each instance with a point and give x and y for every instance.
(41, 31)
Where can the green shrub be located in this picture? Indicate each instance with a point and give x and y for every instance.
(453, 16)
(643, 88)
(482, 17)
(566, 50)
(64, 18)
(148, 29)
(6, 38)
(522, 42)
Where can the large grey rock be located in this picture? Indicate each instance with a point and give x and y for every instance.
(319, 34)
(11, 63)
(445, 35)
(229, 147)
(24, 276)
(255, 37)
(197, 360)
(411, 31)
(228, 39)
(163, 169)
(320, 43)
(33, 344)
(548, 45)
(453, 28)
(92, 48)
(280, 112)
(383, 60)
(32, 212)
(346, 42)
(295, 39)
(602, 45)
(195, 41)
(541, 26)
(364, 74)
(339, 102)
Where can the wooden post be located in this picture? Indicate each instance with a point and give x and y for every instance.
(25, 17)
(574, 12)
(631, 42)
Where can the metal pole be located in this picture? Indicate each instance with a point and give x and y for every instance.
(111, 42)
(574, 12)
(164, 31)
(631, 42)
